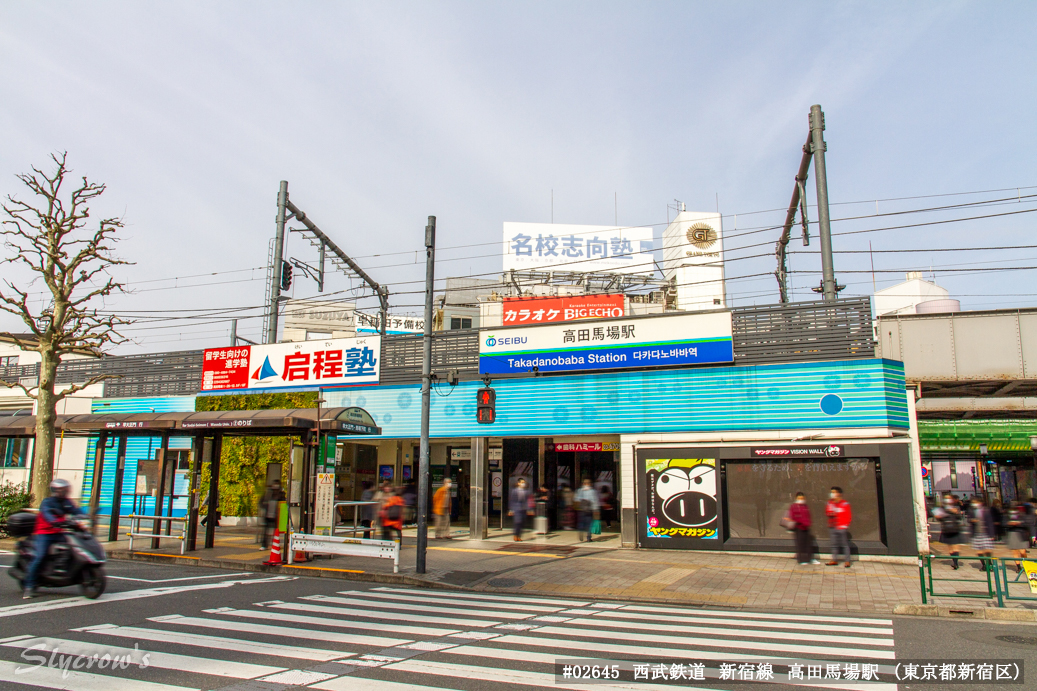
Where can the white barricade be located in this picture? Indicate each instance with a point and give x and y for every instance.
(349, 546)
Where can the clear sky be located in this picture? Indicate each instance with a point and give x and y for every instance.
(380, 114)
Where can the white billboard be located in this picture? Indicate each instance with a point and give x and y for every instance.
(584, 249)
(306, 365)
(693, 253)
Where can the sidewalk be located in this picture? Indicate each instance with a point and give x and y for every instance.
(558, 565)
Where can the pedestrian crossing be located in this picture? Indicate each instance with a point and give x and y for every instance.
(389, 638)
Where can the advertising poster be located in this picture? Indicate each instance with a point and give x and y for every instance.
(686, 339)
(303, 365)
(324, 504)
(682, 499)
(1030, 567)
(544, 310)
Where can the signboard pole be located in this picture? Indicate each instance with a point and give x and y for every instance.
(426, 395)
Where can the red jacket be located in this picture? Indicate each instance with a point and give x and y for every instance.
(384, 516)
(839, 514)
(800, 513)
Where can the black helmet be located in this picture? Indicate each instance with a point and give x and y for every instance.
(60, 488)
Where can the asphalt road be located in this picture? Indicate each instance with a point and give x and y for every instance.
(196, 628)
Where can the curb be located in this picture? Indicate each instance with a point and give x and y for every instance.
(973, 613)
(401, 579)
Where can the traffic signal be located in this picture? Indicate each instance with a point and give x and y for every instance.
(286, 275)
(486, 406)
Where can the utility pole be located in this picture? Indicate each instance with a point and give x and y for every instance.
(426, 395)
(817, 128)
(275, 289)
(233, 333)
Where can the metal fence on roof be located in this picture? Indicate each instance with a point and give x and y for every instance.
(797, 332)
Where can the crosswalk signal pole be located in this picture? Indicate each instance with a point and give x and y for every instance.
(426, 396)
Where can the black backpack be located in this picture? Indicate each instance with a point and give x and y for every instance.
(394, 512)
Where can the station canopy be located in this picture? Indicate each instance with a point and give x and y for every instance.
(236, 422)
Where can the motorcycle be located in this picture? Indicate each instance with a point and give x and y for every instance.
(77, 560)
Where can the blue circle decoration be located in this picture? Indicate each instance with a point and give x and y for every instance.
(832, 381)
(468, 410)
(588, 413)
(561, 414)
(361, 401)
(403, 400)
(449, 410)
(862, 381)
(752, 394)
(773, 392)
(387, 418)
(831, 404)
(345, 402)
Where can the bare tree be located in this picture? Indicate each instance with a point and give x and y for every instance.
(50, 238)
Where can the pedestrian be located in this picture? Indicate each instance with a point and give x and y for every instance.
(608, 505)
(271, 511)
(1031, 520)
(1017, 532)
(949, 516)
(799, 513)
(391, 516)
(997, 515)
(983, 530)
(518, 507)
(368, 511)
(441, 510)
(839, 517)
(587, 505)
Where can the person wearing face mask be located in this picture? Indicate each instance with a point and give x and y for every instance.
(839, 517)
(799, 513)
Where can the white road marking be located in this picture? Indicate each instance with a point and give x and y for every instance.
(180, 663)
(340, 623)
(51, 605)
(513, 676)
(353, 683)
(50, 678)
(742, 631)
(436, 600)
(761, 615)
(718, 643)
(379, 614)
(424, 608)
(186, 578)
(249, 627)
(495, 598)
(216, 642)
(651, 620)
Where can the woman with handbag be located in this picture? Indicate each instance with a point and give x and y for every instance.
(798, 521)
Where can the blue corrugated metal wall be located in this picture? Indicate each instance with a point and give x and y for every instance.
(136, 448)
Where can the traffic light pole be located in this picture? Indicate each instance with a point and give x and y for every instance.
(426, 395)
(275, 289)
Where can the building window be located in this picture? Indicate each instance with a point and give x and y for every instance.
(460, 323)
(14, 453)
(9, 361)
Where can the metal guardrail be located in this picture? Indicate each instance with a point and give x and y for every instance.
(135, 520)
(794, 332)
(995, 579)
(347, 546)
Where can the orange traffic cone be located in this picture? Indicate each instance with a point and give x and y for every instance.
(299, 557)
(275, 550)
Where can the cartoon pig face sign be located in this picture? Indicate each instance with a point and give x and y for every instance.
(687, 496)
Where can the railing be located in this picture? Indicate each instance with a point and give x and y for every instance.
(135, 520)
(356, 514)
(345, 546)
(995, 578)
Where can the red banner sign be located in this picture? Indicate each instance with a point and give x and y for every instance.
(546, 310)
(587, 446)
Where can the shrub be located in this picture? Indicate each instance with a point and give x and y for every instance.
(13, 498)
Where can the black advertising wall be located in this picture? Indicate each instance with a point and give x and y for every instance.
(734, 497)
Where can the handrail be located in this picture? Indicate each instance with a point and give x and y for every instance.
(134, 531)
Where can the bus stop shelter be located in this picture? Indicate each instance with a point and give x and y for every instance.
(207, 430)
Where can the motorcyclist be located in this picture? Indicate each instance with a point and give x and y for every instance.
(51, 520)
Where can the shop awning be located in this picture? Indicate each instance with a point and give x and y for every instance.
(244, 422)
